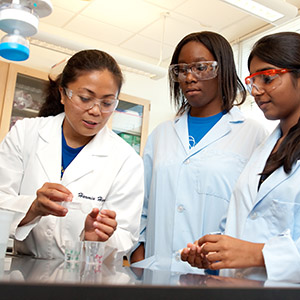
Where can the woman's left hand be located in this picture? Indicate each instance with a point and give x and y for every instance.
(222, 251)
(99, 226)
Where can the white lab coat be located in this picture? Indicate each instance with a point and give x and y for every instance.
(187, 191)
(270, 215)
(106, 167)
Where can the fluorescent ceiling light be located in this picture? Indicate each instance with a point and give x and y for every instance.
(275, 11)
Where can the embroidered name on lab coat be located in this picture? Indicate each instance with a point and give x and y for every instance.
(97, 198)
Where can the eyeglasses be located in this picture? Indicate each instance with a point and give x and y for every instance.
(86, 102)
(202, 70)
(267, 80)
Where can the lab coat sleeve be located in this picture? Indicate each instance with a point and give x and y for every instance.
(147, 158)
(126, 198)
(282, 258)
(11, 174)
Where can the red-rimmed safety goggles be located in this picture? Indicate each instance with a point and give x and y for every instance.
(266, 80)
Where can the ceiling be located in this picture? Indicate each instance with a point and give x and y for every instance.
(141, 31)
(149, 30)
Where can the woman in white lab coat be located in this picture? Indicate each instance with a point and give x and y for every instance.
(192, 162)
(68, 154)
(263, 226)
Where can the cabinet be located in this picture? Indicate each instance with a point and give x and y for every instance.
(130, 121)
(21, 95)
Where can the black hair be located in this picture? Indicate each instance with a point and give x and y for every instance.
(283, 51)
(229, 83)
(81, 62)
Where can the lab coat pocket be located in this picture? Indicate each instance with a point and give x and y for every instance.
(283, 216)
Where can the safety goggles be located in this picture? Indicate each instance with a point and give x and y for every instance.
(85, 101)
(265, 81)
(202, 70)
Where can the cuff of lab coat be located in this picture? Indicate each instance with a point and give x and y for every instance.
(23, 231)
(282, 258)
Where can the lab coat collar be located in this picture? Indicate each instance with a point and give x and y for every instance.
(50, 149)
(222, 128)
(84, 163)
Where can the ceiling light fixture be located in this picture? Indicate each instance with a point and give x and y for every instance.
(275, 12)
(20, 19)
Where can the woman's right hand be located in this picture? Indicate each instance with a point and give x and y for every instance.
(46, 202)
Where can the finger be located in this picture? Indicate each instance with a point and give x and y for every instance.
(107, 221)
(192, 255)
(47, 207)
(216, 265)
(212, 238)
(198, 258)
(103, 232)
(184, 254)
(209, 247)
(106, 229)
(55, 195)
(94, 213)
(109, 213)
(213, 257)
(53, 190)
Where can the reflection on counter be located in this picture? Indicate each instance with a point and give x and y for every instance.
(31, 270)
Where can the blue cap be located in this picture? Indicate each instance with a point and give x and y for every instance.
(14, 51)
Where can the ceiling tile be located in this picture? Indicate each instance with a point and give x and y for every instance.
(175, 27)
(132, 15)
(167, 4)
(212, 14)
(147, 47)
(245, 26)
(59, 17)
(97, 30)
(71, 5)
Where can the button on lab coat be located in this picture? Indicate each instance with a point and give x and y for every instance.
(187, 190)
(107, 167)
(270, 215)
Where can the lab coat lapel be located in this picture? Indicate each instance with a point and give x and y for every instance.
(218, 131)
(49, 148)
(277, 176)
(181, 128)
(274, 180)
(84, 163)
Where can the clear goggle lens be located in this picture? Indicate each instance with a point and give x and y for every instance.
(203, 70)
(267, 80)
(87, 102)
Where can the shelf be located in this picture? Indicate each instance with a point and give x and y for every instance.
(24, 112)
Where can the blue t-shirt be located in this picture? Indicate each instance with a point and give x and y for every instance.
(199, 127)
(68, 154)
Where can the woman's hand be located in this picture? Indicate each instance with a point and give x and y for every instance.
(99, 226)
(192, 254)
(46, 202)
(222, 251)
